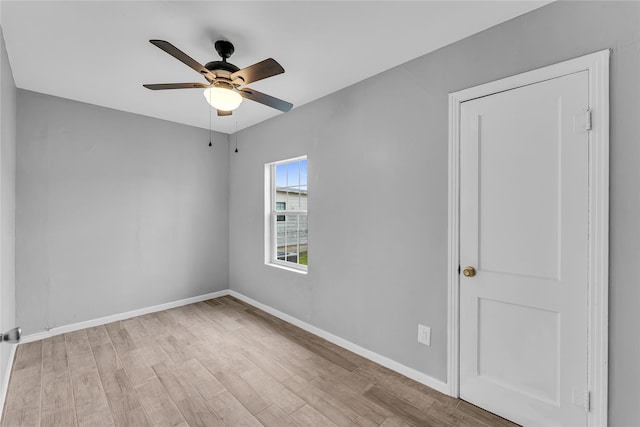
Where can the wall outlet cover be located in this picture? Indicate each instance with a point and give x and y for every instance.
(424, 334)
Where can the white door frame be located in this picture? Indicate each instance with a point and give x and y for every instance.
(597, 64)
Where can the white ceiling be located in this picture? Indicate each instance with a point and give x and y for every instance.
(98, 51)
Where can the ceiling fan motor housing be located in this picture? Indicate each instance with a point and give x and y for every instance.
(214, 66)
(225, 49)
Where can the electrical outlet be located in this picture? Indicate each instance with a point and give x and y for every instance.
(424, 334)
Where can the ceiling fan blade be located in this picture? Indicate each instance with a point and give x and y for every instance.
(162, 86)
(184, 58)
(224, 113)
(265, 99)
(263, 69)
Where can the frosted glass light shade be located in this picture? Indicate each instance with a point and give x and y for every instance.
(222, 99)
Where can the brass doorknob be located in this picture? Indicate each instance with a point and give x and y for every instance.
(469, 272)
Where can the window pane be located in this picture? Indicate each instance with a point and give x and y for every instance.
(302, 239)
(303, 173)
(281, 176)
(291, 239)
(280, 238)
(294, 197)
(291, 235)
(280, 204)
(293, 174)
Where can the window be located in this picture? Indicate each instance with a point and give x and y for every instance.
(280, 206)
(286, 240)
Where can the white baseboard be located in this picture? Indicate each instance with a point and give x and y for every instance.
(7, 375)
(348, 345)
(121, 316)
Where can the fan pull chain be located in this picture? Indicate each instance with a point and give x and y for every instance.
(236, 135)
(210, 125)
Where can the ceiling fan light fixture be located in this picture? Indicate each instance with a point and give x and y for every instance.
(222, 98)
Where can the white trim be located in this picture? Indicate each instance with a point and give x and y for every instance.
(284, 266)
(348, 345)
(599, 240)
(268, 227)
(289, 266)
(453, 262)
(120, 316)
(271, 215)
(7, 376)
(597, 64)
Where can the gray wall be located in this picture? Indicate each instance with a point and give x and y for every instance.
(7, 201)
(115, 212)
(377, 156)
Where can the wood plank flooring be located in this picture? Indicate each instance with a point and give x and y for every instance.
(216, 363)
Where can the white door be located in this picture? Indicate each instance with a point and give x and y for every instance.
(524, 229)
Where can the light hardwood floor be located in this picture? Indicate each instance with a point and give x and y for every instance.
(215, 363)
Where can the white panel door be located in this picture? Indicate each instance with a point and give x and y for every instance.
(524, 229)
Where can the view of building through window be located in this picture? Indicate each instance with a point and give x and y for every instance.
(290, 211)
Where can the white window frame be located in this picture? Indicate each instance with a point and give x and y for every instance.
(271, 218)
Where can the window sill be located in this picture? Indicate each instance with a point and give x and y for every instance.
(284, 267)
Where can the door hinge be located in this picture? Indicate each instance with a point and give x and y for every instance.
(582, 121)
(582, 398)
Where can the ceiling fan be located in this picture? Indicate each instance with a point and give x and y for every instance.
(223, 89)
